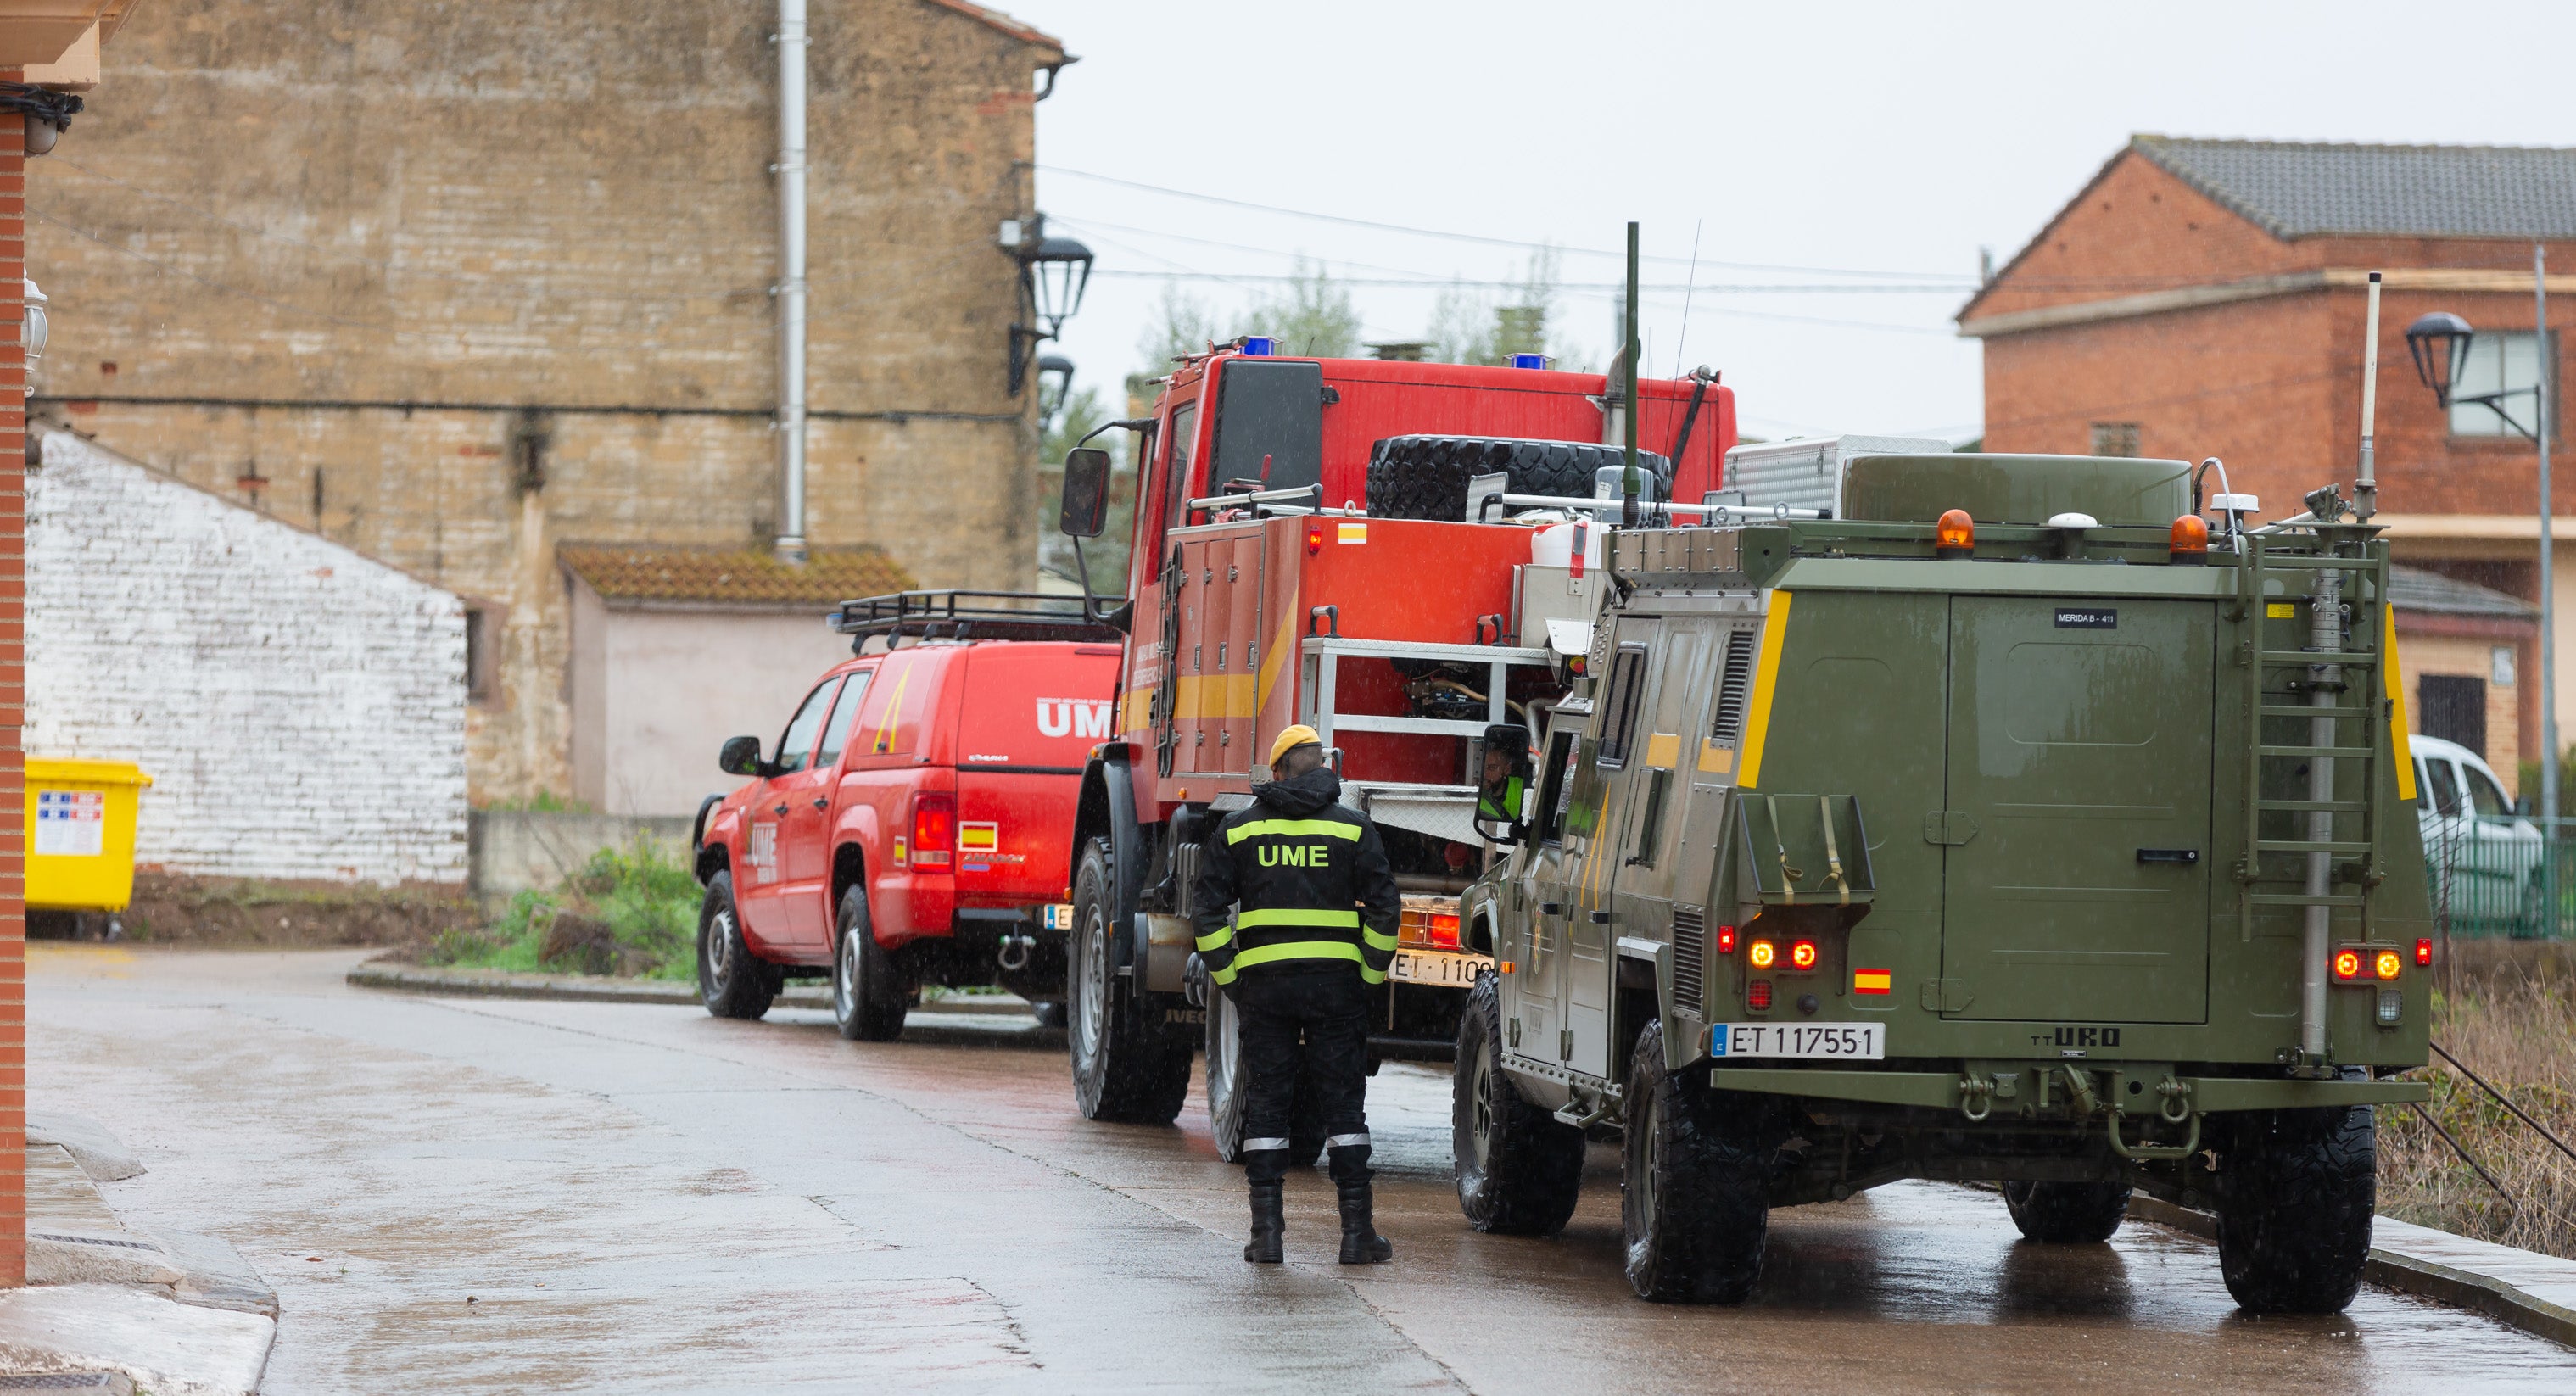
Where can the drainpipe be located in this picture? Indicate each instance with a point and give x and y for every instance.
(790, 291)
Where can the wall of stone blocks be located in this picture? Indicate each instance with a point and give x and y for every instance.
(300, 707)
(341, 268)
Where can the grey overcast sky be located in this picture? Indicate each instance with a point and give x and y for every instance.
(1874, 146)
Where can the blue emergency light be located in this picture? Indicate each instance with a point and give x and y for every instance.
(1257, 346)
(1529, 360)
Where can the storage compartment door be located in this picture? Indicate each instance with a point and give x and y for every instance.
(2079, 779)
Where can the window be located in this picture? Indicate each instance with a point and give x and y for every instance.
(797, 742)
(2498, 363)
(1650, 826)
(1269, 424)
(1176, 475)
(845, 710)
(478, 654)
(2115, 438)
(1556, 789)
(1619, 714)
(2445, 791)
(2455, 709)
(2488, 801)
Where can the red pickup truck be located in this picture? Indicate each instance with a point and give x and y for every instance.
(909, 827)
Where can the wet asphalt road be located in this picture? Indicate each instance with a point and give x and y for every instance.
(647, 1199)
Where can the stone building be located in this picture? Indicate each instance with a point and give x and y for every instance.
(461, 285)
(2207, 297)
(300, 707)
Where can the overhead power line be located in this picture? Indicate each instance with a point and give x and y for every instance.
(1479, 238)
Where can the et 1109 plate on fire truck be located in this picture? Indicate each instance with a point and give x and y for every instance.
(1438, 968)
(1845, 1041)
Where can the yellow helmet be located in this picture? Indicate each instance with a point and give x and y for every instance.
(1297, 736)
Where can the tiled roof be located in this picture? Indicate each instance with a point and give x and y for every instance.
(743, 576)
(2414, 589)
(2296, 190)
(998, 20)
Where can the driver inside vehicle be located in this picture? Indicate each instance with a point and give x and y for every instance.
(1501, 799)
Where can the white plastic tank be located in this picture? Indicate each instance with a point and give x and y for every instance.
(1553, 546)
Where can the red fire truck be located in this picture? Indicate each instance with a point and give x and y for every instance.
(1306, 549)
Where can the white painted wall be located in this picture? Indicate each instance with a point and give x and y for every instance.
(656, 690)
(300, 708)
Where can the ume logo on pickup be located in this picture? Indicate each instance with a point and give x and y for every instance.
(1073, 717)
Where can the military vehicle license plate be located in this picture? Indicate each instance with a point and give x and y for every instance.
(1437, 968)
(1852, 1041)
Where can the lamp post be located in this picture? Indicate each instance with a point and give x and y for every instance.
(1055, 384)
(1054, 272)
(2439, 344)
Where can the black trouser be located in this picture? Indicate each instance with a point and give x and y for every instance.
(1329, 1010)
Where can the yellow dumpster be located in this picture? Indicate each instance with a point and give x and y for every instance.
(80, 833)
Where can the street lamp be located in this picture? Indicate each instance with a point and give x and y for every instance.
(2439, 344)
(1055, 384)
(1054, 272)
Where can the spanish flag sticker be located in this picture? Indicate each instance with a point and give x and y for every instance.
(1872, 981)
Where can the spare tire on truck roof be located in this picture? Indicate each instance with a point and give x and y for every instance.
(1425, 477)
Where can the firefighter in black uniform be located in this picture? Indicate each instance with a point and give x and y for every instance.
(1313, 935)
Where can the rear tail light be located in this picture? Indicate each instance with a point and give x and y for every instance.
(1426, 924)
(1757, 995)
(1314, 537)
(2347, 965)
(1763, 954)
(1444, 930)
(2387, 964)
(1726, 940)
(934, 829)
(1802, 954)
(2423, 953)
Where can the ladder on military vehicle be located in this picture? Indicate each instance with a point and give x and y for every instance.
(2350, 674)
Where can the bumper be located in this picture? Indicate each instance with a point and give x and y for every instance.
(1945, 1090)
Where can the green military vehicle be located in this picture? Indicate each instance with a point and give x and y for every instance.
(1997, 823)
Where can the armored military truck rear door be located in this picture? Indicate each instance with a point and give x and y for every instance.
(2077, 878)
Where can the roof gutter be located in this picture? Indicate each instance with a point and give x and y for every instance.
(2453, 280)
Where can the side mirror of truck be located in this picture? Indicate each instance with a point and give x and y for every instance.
(741, 757)
(1499, 831)
(1085, 509)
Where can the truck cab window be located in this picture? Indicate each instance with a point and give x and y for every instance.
(845, 711)
(797, 742)
(1619, 714)
(1554, 788)
(2489, 802)
(1178, 483)
(2445, 791)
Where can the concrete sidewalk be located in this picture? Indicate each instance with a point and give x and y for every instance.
(603, 988)
(168, 1312)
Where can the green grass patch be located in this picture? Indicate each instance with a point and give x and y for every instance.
(631, 910)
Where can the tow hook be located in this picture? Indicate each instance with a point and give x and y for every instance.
(1976, 1097)
(2154, 1153)
(1022, 943)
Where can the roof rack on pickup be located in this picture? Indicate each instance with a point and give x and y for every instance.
(967, 615)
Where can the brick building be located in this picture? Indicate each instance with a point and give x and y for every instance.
(2205, 297)
(459, 285)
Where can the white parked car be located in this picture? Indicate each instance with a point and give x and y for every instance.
(2483, 856)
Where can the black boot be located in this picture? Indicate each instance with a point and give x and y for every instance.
(1268, 1221)
(1361, 1245)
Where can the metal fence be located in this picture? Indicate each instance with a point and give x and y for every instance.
(2511, 876)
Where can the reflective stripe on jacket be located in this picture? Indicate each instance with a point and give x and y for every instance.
(1310, 878)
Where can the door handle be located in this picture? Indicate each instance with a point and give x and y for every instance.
(822, 802)
(1601, 918)
(778, 809)
(1551, 908)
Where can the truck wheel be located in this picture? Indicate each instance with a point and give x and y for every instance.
(2074, 1214)
(2296, 1195)
(1695, 1201)
(1519, 1169)
(1425, 477)
(1227, 1096)
(1124, 1070)
(732, 982)
(869, 998)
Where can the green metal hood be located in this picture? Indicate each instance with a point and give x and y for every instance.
(1999, 489)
